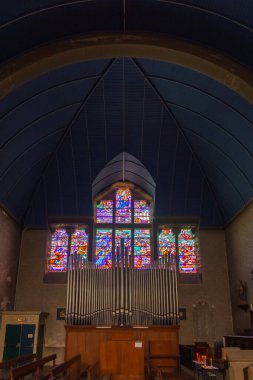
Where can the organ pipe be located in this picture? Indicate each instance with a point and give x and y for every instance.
(122, 295)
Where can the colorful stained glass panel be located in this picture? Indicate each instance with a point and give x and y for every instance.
(141, 212)
(142, 255)
(167, 242)
(58, 255)
(123, 234)
(105, 211)
(123, 205)
(187, 246)
(79, 242)
(104, 247)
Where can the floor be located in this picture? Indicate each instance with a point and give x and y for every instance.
(189, 375)
(183, 376)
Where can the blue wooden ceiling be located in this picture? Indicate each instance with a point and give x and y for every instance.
(193, 134)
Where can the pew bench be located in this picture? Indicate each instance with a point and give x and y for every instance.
(15, 362)
(71, 369)
(7, 365)
(34, 370)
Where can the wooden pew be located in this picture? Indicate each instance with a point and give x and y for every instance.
(70, 369)
(15, 362)
(34, 369)
(7, 365)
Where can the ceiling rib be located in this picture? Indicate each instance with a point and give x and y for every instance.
(68, 128)
(170, 112)
(45, 115)
(23, 175)
(218, 168)
(48, 89)
(38, 11)
(45, 137)
(204, 92)
(211, 143)
(207, 11)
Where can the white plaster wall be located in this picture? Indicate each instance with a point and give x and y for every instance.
(239, 236)
(33, 294)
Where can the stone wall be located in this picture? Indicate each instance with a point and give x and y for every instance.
(10, 236)
(239, 236)
(33, 294)
(214, 290)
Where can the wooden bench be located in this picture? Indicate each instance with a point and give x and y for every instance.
(34, 369)
(70, 369)
(7, 365)
(15, 362)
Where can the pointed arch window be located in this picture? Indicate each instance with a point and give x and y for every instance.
(126, 211)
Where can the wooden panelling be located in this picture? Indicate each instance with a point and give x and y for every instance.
(86, 340)
(122, 358)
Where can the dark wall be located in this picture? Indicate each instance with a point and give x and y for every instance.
(10, 237)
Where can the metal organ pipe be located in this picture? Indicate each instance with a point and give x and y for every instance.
(122, 294)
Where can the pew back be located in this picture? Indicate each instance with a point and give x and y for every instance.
(70, 369)
(34, 368)
(15, 362)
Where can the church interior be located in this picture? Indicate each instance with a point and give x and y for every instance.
(126, 183)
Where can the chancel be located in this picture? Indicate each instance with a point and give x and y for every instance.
(126, 186)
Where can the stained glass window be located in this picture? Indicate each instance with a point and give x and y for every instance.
(104, 247)
(58, 255)
(123, 234)
(59, 245)
(142, 254)
(79, 242)
(187, 246)
(167, 242)
(104, 211)
(141, 211)
(123, 205)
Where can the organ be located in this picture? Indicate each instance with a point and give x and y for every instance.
(122, 295)
(117, 312)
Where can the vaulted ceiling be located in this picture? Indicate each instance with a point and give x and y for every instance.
(169, 82)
